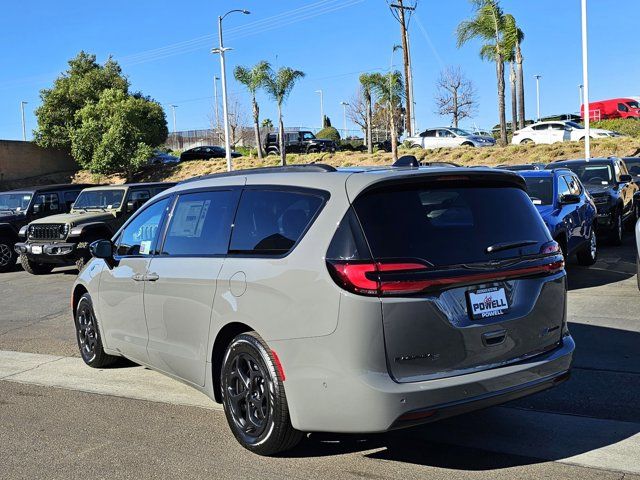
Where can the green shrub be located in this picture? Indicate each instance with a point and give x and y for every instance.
(625, 126)
(330, 133)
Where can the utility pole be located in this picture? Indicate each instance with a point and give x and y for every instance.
(215, 101)
(24, 128)
(538, 77)
(585, 81)
(402, 19)
(321, 108)
(173, 109)
(344, 118)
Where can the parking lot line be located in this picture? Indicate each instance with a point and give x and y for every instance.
(584, 441)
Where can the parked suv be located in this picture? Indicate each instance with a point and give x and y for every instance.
(567, 209)
(449, 137)
(298, 142)
(609, 183)
(557, 131)
(19, 207)
(310, 299)
(97, 213)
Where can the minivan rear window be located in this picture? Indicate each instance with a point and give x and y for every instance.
(270, 222)
(449, 225)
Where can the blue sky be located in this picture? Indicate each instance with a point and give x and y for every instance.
(164, 49)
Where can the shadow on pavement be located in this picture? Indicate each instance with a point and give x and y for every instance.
(614, 264)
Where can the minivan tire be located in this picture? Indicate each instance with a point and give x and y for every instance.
(254, 399)
(88, 335)
(34, 268)
(7, 255)
(588, 255)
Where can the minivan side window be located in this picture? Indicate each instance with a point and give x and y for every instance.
(270, 222)
(201, 224)
(141, 235)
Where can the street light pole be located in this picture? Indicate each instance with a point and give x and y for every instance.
(538, 77)
(173, 109)
(24, 128)
(344, 118)
(321, 108)
(580, 87)
(215, 106)
(585, 81)
(220, 50)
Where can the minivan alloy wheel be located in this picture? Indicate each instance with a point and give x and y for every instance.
(87, 337)
(247, 391)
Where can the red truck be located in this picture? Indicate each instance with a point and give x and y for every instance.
(613, 108)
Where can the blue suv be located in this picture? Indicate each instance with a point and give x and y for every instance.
(567, 209)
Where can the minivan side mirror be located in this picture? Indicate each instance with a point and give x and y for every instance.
(103, 249)
(625, 178)
(569, 199)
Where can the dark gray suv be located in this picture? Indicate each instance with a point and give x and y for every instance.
(310, 299)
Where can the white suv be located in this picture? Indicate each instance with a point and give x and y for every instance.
(560, 131)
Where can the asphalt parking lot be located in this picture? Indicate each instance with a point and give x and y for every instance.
(59, 419)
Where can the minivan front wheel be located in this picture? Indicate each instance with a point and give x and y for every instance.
(253, 397)
(88, 335)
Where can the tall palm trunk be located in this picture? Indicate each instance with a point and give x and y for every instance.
(520, 75)
(501, 102)
(394, 136)
(283, 151)
(369, 121)
(514, 97)
(256, 126)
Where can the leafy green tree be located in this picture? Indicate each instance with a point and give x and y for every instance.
(488, 26)
(254, 78)
(118, 133)
(389, 90)
(330, 133)
(367, 84)
(279, 85)
(267, 123)
(82, 84)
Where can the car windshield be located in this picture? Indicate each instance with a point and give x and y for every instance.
(593, 173)
(460, 132)
(633, 104)
(574, 125)
(540, 190)
(99, 199)
(308, 136)
(17, 202)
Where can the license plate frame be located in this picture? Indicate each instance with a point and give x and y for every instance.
(489, 302)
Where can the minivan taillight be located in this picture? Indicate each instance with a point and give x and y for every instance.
(364, 278)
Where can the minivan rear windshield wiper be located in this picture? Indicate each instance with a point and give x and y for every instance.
(498, 247)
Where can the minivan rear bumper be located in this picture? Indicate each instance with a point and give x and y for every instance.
(322, 399)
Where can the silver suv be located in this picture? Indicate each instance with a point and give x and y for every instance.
(310, 299)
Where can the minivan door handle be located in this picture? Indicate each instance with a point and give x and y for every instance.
(151, 277)
(138, 277)
(494, 338)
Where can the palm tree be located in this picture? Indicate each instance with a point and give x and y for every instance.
(389, 89)
(488, 26)
(367, 84)
(279, 85)
(253, 79)
(509, 37)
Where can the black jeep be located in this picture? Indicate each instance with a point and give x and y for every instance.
(19, 207)
(97, 214)
(298, 142)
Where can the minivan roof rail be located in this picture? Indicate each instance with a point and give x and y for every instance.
(295, 168)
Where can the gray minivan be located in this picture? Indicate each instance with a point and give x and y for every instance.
(311, 299)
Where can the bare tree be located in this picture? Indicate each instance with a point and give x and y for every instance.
(357, 110)
(238, 119)
(456, 95)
